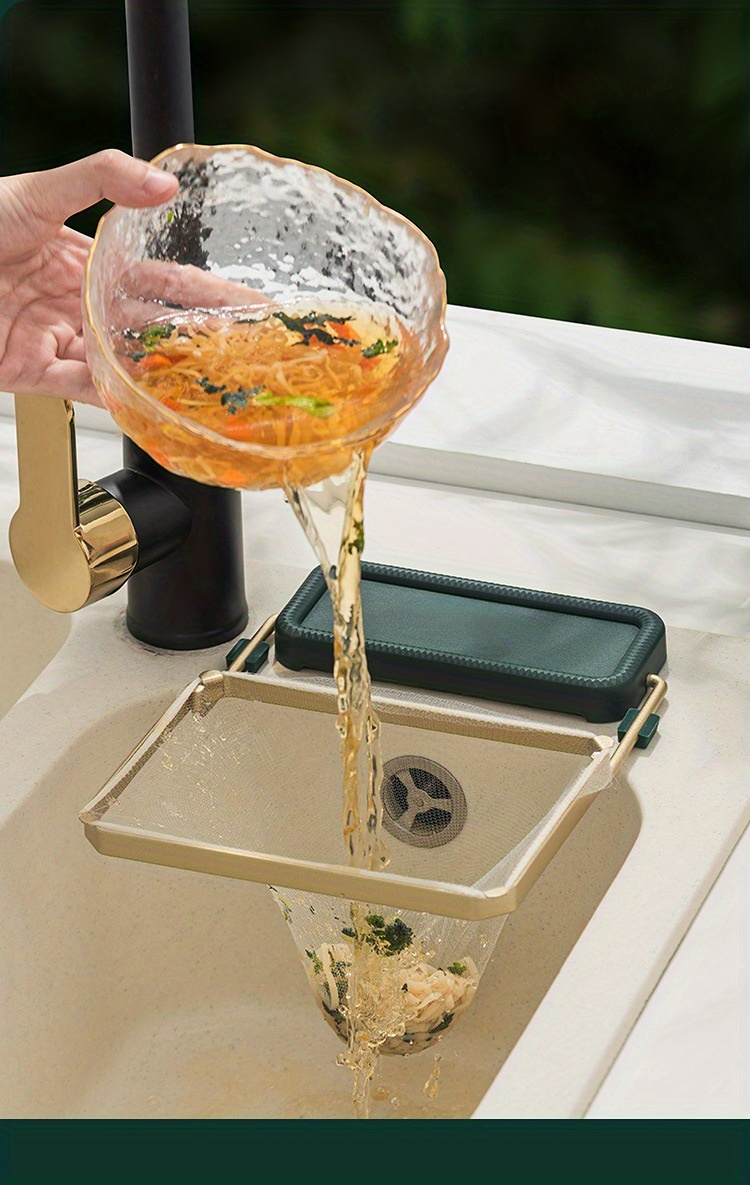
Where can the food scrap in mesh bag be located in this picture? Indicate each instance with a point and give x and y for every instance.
(410, 1001)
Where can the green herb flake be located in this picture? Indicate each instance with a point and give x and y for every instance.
(340, 979)
(397, 936)
(211, 388)
(379, 347)
(170, 216)
(458, 968)
(358, 543)
(387, 937)
(316, 962)
(443, 1024)
(311, 327)
(151, 337)
(235, 401)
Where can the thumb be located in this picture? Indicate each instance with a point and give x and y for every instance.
(52, 196)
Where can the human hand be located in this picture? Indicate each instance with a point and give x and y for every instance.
(42, 263)
(149, 285)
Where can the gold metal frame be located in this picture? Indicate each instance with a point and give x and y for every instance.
(428, 896)
(71, 541)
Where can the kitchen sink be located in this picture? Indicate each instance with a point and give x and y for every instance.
(138, 990)
(130, 990)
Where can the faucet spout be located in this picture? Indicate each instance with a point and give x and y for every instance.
(72, 543)
(177, 542)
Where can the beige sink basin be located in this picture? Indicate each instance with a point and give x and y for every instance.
(30, 636)
(130, 990)
(135, 990)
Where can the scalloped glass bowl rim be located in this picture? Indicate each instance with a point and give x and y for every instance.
(314, 448)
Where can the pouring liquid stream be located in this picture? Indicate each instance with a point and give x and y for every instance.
(374, 986)
(332, 517)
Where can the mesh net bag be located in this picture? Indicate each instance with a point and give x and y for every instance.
(427, 973)
(418, 972)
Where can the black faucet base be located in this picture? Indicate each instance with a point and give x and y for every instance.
(143, 631)
(194, 596)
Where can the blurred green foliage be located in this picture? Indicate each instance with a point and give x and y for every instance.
(580, 162)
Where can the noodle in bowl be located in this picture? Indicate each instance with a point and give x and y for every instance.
(254, 400)
(249, 237)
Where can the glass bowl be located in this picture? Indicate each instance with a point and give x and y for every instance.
(247, 236)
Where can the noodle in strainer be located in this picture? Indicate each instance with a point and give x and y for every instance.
(422, 970)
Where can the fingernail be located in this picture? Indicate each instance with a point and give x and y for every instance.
(158, 182)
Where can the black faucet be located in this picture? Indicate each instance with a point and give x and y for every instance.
(189, 591)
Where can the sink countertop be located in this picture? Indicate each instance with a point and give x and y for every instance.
(688, 1054)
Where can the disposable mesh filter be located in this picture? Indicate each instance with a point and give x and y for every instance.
(431, 988)
(240, 778)
(435, 976)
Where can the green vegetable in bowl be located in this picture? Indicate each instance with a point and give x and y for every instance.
(321, 408)
(379, 347)
(151, 337)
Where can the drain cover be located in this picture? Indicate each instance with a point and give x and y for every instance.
(423, 804)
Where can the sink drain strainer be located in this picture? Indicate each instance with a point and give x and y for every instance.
(423, 803)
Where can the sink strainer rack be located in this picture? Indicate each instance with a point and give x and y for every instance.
(214, 787)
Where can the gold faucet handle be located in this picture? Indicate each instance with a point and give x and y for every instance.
(72, 543)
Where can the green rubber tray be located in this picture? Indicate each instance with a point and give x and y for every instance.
(512, 645)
